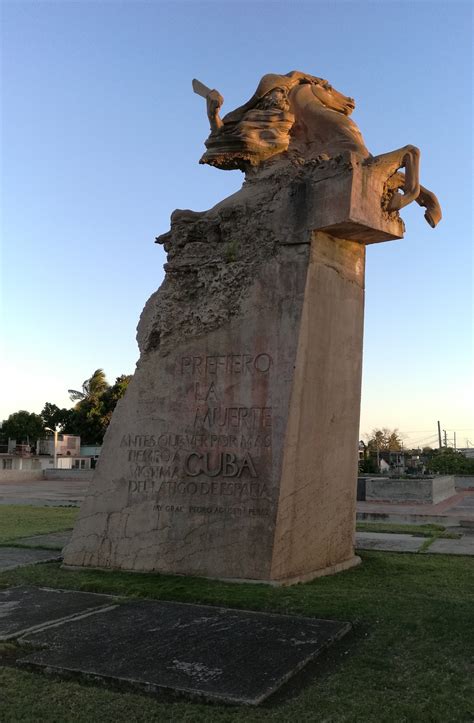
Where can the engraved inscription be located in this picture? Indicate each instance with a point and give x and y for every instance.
(226, 464)
(249, 418)
(219, 455)
(226, 364)
(153, 486)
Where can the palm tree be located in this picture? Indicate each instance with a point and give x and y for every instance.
(92, 388)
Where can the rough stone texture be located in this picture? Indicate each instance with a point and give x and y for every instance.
(25, 609)
(232, 656)
(234, 452)
(423, 491)
(11, 557)
(215, 257)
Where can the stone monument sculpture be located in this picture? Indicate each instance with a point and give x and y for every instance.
(234, 451)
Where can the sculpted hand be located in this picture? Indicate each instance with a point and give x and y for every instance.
(214, 101)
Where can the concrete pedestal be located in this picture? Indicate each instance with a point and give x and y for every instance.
(398, 491)
(234, 452)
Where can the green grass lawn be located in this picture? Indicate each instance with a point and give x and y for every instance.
(409, 657)
(22, 520)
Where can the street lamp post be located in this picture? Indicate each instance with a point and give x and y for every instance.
(55, 432)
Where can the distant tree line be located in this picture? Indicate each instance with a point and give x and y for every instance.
(448, 461)
(436, 461)
(88, 418)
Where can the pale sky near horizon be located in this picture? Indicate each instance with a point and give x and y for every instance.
(101, 137)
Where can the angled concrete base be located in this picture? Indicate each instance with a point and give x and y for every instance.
(234, 451)
(234, 455)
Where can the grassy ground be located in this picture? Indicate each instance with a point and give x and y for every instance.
(407, 659)
(22, 520)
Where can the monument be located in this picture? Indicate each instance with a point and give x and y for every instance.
(234, 451)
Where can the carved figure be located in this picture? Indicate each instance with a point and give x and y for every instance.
(302, 117)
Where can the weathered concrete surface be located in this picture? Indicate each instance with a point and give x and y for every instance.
(189, 478)
(234, 452)
(74, 475)
(20, 475)
(390, 542)
(464, 482)
(316, 509)
(11, 557)
(43, 493)
(454, 511)
(232, 656)
(464, 546)
(425, 491)
(25, 609)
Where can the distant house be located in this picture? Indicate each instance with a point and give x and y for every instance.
(416, 464)
(392, 462)
(67, 445)
(69, 454)
(384, 466)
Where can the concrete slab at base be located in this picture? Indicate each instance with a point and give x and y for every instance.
(231, 656)
(25, 609)
(388, 542)
(331, 570)
(464, 546)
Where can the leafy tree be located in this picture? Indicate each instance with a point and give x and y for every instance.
(448, 461)
(368, 466)
(95, 404)
(53, 417)
(384, 440)
(92, 388)
(112, 395)
(88, 421)
(23, 426)
(89, 418)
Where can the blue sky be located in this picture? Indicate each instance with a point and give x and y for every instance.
(101, 137)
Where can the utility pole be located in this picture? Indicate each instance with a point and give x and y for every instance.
(445, 438)
(454, 441)
(439, 435)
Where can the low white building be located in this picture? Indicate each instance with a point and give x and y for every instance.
(25, 457)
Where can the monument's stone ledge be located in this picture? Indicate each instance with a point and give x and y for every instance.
(213, 257)
(341, 195)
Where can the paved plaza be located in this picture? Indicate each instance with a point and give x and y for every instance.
(43, 493)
